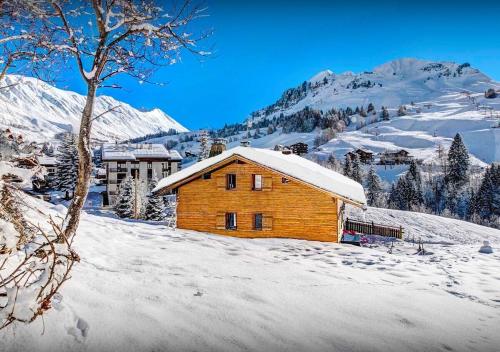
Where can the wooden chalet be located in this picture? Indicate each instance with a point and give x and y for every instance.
(249, 192)
(299, 148)
(366, 157)
(395, 158)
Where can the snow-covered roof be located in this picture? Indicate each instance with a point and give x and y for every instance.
(46, 160)
(290, 165)
(137, 151)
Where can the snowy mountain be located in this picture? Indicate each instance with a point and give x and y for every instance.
(40, 111)
(441, 99)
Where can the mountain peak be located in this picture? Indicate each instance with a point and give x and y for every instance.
(320, 76)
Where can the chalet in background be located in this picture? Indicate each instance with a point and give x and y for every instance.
(299, 148)
(142, 161)
(366, 157)
(249, 192)
(395, 158)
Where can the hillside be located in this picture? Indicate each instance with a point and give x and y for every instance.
(141, 286)
(447, 99)
(441, 99)
(40, 111)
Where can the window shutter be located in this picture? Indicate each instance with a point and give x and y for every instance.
(267, 183)
(267, 222)
(220, 221)
(221, 182)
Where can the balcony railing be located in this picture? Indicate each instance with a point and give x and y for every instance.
(370, 228)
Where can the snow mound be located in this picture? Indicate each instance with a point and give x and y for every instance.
(486, 248)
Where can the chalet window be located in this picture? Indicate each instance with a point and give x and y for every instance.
(284, 180)
(257, 221)
(150, 165)
(230, 221)
(135, 173)
(230, 181)
(150, 173)
(257, 183)
(207, 176)
(122, 167)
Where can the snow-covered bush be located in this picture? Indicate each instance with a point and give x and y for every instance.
(34, 262)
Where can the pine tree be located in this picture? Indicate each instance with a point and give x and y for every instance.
(333, 163)
(488, 196)
(155, 208)
(362, 112)
(458, 163)
(402, 110)
(370, 108)
(67, 165)
(413, 195)
(124, 206)
(384, 115)
(348, 165)
(374, 191)
(357, 173)
(407, 193)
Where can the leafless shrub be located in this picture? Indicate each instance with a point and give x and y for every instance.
(34, 261)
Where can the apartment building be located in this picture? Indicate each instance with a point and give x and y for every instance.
(142, 161)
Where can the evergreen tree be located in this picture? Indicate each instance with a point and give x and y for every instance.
(407, 193)
(124, 206)
(357, 173)
(384, 115)
(370, 108)
(362, 112)
(67, 164)
(374, 191)
(458, 163)
(155, 208)
(348, 165)
(488, 196)
(413, 196)
(402, 110)
(333, 163)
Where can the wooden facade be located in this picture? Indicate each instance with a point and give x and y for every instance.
(286, 207)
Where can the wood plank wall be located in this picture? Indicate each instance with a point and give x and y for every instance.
(291, 210)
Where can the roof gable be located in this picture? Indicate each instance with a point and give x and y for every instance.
(290, 165)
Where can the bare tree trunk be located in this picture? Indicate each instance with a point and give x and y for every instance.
(84, 165)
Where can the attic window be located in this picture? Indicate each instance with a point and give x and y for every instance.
(207, 176)
(257, 183)
(284, 180)
(230, 181)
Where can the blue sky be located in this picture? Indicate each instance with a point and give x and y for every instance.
(263, 47)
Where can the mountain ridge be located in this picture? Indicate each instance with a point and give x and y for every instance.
(393, 83)
(40, 111)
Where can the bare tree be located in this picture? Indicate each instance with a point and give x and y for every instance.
(107, 38)
(22, 38)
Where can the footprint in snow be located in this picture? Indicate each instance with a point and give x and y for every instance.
(80, 331)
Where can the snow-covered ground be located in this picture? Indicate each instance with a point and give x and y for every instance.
(143, 287)
(39, 111)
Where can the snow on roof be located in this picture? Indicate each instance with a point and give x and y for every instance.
(46, 160)
(137, 151)
(291, 165)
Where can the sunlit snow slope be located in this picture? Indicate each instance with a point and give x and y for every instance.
(448, 98)
(144, 287)
(39, 111)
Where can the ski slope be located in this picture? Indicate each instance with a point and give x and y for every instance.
(39, 111)
(141, 286)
